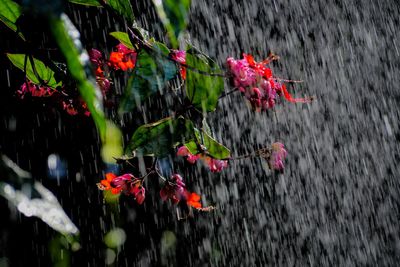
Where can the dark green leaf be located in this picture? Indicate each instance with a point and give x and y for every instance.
(159, 138)
(9, 13)
(150, 75)
(43, 72)
(173, 14)
(86, 2)
(67, 37)
(123, 38)
(122, 7)
(203, 90)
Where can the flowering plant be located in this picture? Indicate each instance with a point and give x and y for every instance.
(86, 85)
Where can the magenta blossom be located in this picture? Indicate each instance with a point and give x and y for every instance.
(214, 165)
(96, 57)
(35, 90)
(277, 157)
(173, 189)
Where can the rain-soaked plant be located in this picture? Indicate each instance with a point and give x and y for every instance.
(84, 85)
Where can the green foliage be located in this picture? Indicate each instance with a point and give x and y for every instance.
(123, 8)
(123, 38)
(9, 13)
(86, 2)
(173, 14)
(43, 72)
(159, 138)
(204, 143)
(67, 37)
(203, 90)
(153, 69)
(213, 148)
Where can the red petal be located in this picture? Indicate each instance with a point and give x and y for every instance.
(289, 97)
(110, 176)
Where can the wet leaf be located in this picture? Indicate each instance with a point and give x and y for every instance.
(43, 72)
(32, 198)
(215, 149)
(203, 90)
(204, 143)
(150, 75)
(68, 39)
(174, 15)
(123, 8)
(9, 13)
(123, 38)
(159, 138)
(86, 2)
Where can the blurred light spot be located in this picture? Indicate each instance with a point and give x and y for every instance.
(56, 167)
(115, 238)
(110, 256)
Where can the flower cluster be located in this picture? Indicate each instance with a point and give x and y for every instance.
(122, 58)
(126, 183)
(175, 190)
(29, 88)
(215, 165)
(257, 83)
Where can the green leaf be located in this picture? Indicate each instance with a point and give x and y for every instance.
(9, 13)
(159, 138)
(204, 143)
(203, 90)
(122, 7)
(43, 72)
(67, 37)
(123, 38)
(150, 75)
(86, 2)
(173, 14)
(215, 149)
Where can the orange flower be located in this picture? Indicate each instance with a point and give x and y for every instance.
(106, 184)
(193, 200)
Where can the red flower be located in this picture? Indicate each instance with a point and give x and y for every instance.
(180, 57)
(106, 184)
(193, 200)
(126, 183)
(124, 58)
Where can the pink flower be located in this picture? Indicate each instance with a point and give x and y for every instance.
(138, 192)
(75, 106)
(216, 165)
(183, 151)
(126, 183)
(180, 57)
(256, 82)
(243, 75)
(35, 90)
(96, 57)
(173, 189)
(277, 157)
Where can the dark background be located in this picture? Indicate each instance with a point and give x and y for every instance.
(337, 202)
